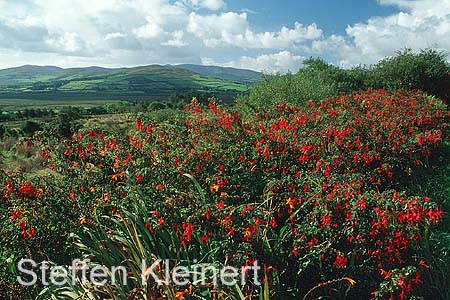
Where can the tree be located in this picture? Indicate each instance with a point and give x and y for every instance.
(31, 127)
(317, 80)
(2, 131)
(427, 70)
(67, 121)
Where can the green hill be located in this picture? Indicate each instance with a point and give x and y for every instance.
(226, 73)
(153, 81)
(28, 74)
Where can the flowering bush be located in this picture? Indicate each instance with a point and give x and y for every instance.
(309, 192)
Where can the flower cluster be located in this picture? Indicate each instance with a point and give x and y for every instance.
(305, 190)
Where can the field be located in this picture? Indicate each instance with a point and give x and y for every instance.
(7, 105)
(146, 82)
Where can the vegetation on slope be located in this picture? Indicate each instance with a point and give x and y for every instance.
(146, 82)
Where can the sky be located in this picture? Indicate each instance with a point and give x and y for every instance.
(262, 35)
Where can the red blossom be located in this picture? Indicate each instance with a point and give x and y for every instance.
(340, 261)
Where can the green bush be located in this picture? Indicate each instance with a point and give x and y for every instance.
(318, 80)
(427, 71)
(2, 130)
(31, 127)
(407, 70)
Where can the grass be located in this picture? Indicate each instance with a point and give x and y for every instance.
(109, 122)
(220, 84)
(21, 104)
(19, 160)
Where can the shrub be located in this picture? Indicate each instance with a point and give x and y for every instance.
(36, 220)
(30, 127)
(426, 71)
(309, 191)
(2, 131)
(317, 80)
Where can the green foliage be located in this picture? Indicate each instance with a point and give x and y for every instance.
(2, 131)
(427, 70)
(67, 122)
(407, 70)
(434, 181)
(317, 80)
(331, 195)
(179, 101)
(163, 115)
(31, 126)
(156, 105)
(34, 225)
(144, 82)
(125, 240)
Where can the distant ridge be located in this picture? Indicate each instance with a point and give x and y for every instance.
(227, 73)
(143, 81)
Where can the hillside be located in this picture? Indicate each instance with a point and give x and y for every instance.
(153, 81)
(226, 73)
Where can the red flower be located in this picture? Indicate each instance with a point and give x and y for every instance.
(28, 190)
(139, 178)
(250, 232)
(187, 233)
(139, 125)
(16, 215)
(161, 222)
(10, 186)
(273, 223)
(266, 153)
(220, 205)
(205, 239)
(340, 262)
(73, 196)
(32, 233)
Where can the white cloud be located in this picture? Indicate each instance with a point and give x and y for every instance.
(114, 35)
(69, 42)
(212, 28)
(279, 62)
(208, 4)
(249, 11)
(381, 37)
(137, 32)
(421, 24)
(150, 30)
(121, 40)
(113, 29)
(233, 29)
(421, 7)
(282, 61)
(176, 40)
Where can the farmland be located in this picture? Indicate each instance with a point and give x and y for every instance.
(146, 82)
(7, 105)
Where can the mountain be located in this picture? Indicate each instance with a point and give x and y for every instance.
(226, 73)
(28, 74)
(153, 81)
